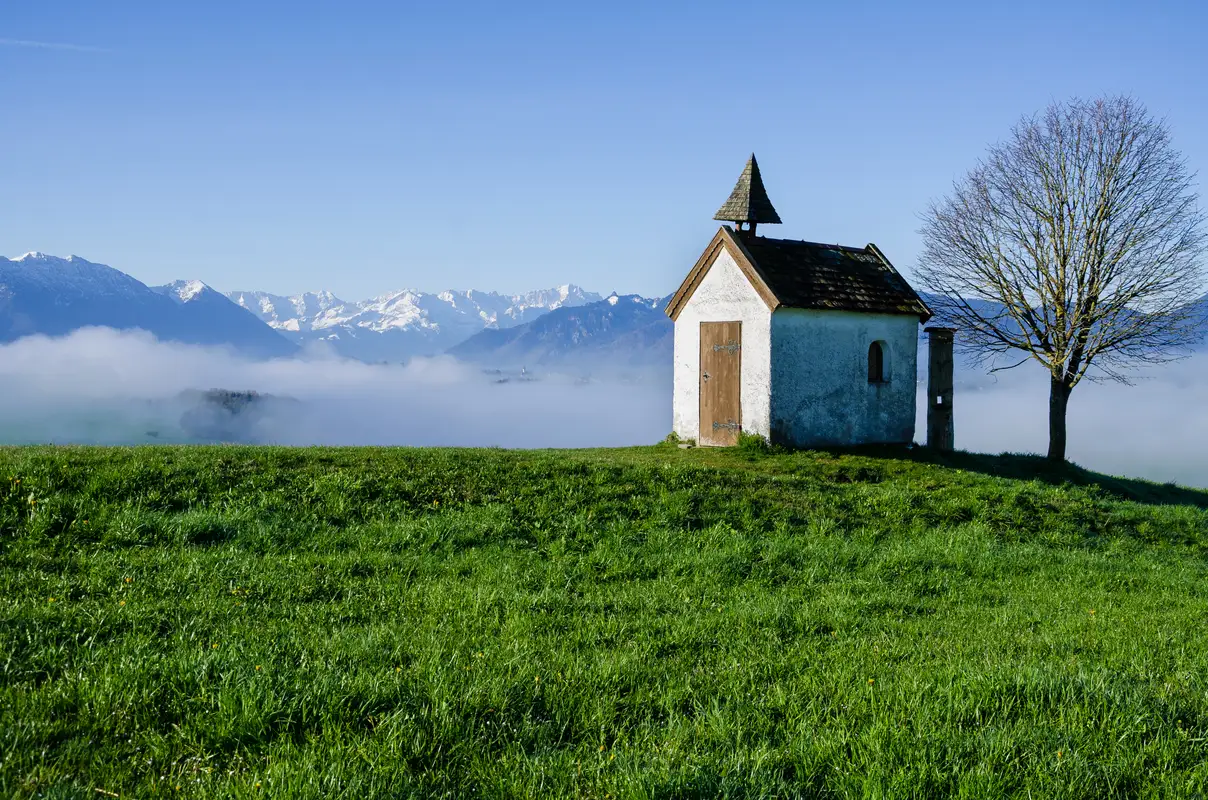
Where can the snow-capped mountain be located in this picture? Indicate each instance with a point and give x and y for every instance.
(287, 314)
(213, 319)
(49, 295)
(182, 291)
(405, 323)
(618, 332)
(45, 294)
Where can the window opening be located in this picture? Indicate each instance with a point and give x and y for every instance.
(876, 363)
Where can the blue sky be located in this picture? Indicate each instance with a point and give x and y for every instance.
(362, 147)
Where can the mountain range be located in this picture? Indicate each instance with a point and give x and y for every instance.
(402, 324)
(618, 333)
(54, 296)
(565, 328)
(44, 294)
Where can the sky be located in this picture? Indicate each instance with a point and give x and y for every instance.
(363, 147)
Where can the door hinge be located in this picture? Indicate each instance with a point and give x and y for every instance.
(730, 347)
(730, 426)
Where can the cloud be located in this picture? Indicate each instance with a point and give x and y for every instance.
(77, 48)
(103, 386)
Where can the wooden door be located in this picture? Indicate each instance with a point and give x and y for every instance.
(720, 383)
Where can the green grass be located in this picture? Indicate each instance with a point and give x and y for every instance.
(646, 623)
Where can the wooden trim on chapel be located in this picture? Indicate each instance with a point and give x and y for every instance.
(724, 239)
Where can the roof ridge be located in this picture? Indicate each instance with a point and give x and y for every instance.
(832, 245)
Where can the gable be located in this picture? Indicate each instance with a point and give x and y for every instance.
(723, 242)
(724, 293)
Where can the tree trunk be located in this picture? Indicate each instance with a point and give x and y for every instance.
(1059, 399)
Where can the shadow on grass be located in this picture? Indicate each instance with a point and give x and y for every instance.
(1034, 467)
(1015, 466)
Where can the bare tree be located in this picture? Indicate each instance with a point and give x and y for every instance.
(1083, 232)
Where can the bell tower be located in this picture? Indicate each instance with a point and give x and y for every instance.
(748, 203)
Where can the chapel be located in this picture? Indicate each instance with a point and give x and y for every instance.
(808, 344)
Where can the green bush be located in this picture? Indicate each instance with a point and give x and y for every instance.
(757, 444)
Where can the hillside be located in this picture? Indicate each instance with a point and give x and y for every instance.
(652, 622)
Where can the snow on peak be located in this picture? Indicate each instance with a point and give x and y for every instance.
(37, 256)
(72, 276)
(291, 313)
(438, 319)
(182, 291)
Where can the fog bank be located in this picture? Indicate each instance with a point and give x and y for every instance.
(1155, 429)
(100, 386)
(109, 387)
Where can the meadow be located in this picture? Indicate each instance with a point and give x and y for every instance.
(260, 622)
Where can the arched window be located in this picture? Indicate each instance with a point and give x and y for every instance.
(876, 363)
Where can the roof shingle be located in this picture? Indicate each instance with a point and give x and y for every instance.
(797, 274)
(823, 276)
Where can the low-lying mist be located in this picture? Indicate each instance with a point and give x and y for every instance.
(1156, 428)
(100, 386)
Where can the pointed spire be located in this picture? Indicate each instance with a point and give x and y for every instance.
(749, 201)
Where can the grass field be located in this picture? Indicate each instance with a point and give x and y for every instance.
(646, 623)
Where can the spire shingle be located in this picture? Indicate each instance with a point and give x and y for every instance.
(749, 201)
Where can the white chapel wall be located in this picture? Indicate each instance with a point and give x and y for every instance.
(820, 389)
(724, 295)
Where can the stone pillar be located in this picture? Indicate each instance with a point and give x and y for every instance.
(939, 388)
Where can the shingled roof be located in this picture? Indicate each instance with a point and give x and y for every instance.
(749, 201)
(797, 274)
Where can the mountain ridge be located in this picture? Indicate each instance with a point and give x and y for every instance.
(619, 332)
(49, 295)
(563, 327)
(402, 323)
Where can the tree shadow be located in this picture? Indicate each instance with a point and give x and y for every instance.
(1034, 467)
